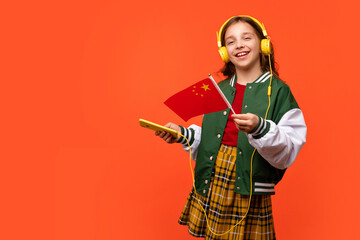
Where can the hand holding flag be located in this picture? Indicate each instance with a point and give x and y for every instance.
(201, 98)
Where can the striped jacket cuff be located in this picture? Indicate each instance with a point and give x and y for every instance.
(187, 133)
(261, 129)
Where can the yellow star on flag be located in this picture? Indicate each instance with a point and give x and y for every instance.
(205, 87)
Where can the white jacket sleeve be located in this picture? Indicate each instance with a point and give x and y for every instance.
(193, 135)
(283, 141)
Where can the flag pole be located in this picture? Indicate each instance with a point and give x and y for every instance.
(221, 93)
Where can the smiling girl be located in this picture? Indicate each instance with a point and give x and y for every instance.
(241, 157)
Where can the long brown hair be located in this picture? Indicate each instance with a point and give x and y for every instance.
(229, 68)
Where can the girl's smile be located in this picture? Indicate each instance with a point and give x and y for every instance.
(242, 54)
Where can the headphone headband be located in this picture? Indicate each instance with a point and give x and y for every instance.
(261, 25)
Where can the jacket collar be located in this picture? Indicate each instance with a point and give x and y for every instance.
(261, 79)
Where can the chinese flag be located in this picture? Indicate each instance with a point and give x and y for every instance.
(200, 98)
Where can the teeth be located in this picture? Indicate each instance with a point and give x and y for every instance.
(241, 54)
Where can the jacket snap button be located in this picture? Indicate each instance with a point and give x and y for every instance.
(240, 153)
(225, 113)
(204, 191)
(238, 188)
(218, 136)
(206, 181)
(250, 87)
(245, 106)
(211, 158)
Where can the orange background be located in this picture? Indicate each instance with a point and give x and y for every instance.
(77, 76)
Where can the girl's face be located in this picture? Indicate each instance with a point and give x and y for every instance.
(243, 46)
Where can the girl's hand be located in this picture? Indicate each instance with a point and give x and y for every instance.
(167, 136)
(245, 122)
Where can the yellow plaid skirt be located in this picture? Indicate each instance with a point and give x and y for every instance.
(224, 208)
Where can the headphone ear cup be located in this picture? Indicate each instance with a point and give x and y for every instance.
(266, 47)
(224, 54)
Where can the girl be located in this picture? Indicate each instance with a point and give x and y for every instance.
(241, 157)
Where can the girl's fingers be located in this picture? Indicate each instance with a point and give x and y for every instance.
(160, 134)
(168, 138)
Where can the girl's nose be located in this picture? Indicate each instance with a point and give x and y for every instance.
(239, 44)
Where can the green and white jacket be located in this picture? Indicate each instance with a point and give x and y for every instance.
(277, 140)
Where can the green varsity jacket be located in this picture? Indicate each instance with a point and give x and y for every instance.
(277, 139)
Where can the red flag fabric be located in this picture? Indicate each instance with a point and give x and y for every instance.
(200, 98)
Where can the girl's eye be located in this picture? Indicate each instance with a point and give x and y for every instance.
(229, 42)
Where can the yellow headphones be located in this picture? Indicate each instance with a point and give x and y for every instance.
(265, 43)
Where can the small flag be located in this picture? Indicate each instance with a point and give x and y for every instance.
(201, 98)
